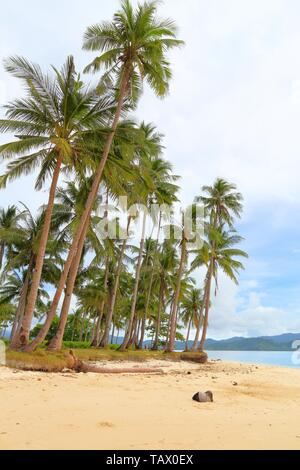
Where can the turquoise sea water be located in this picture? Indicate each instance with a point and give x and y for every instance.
(274, 358)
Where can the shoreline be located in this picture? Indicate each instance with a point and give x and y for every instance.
(119, 412)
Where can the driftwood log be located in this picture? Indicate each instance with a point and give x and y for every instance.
(80, 366)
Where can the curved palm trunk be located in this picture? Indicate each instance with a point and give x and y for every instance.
(88, 207)
(207, 303)
(173, 318)
(105, 339)
(157, 329)
(23, 334)
(57, 340)
(188, 335)
(124, 345)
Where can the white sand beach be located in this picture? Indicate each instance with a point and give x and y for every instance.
(91, 411)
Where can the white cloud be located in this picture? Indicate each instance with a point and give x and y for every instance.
(236, 313)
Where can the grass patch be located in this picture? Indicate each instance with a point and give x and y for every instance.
(134, 356)
(45, 361)
(39, 360)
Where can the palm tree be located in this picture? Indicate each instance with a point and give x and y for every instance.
(149, 147)
(133, 49)
(50, 122)
(117, 168)
(218, 252)
(180, 273)
(71, 200)
(13, 292)
(23, 240)
(166, 263)
(8, 220)
(190, 305)
(222, 204)
(157, 185)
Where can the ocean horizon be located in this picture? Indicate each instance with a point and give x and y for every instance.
(274, 358)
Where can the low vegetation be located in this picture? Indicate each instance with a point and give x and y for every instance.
(45, 361)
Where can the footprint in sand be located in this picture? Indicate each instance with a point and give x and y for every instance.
(105, 424)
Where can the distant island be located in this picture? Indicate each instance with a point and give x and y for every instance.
(263, 343)
(281, 342)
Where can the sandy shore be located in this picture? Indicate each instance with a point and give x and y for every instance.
(89, 411)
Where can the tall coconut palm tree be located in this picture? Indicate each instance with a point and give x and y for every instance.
(133, 49)
(157, 183)
(118, 167)
(222, 203)
(148, 147)
(166, 262)
(218, 252)
(181, 268)
(71, 200)
(190, 305)
(49, 122)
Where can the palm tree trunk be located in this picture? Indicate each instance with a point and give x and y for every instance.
(169, 324)
(207, 304)
(136, 287)
(112, 334)
(57, 340)
(134, 335)
(1, 254)
(158, 320)
(93, 330)
(110, 313)
(149, 290)
(96, 343)
(173, 320)
(21, 307)
(23, 335)
(88, 207)
(86, 332)
(74, 326)
(137, 334)
(96, 338)
(200, 319)
(143, 329)
(188, 335)
(82, 326)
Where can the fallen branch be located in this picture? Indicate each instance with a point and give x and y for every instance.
(80, 366)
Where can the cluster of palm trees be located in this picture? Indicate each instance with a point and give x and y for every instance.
(55, 262)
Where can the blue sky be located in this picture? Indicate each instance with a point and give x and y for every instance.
(233, 112)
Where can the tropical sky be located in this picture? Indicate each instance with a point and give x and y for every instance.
(233, 112)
